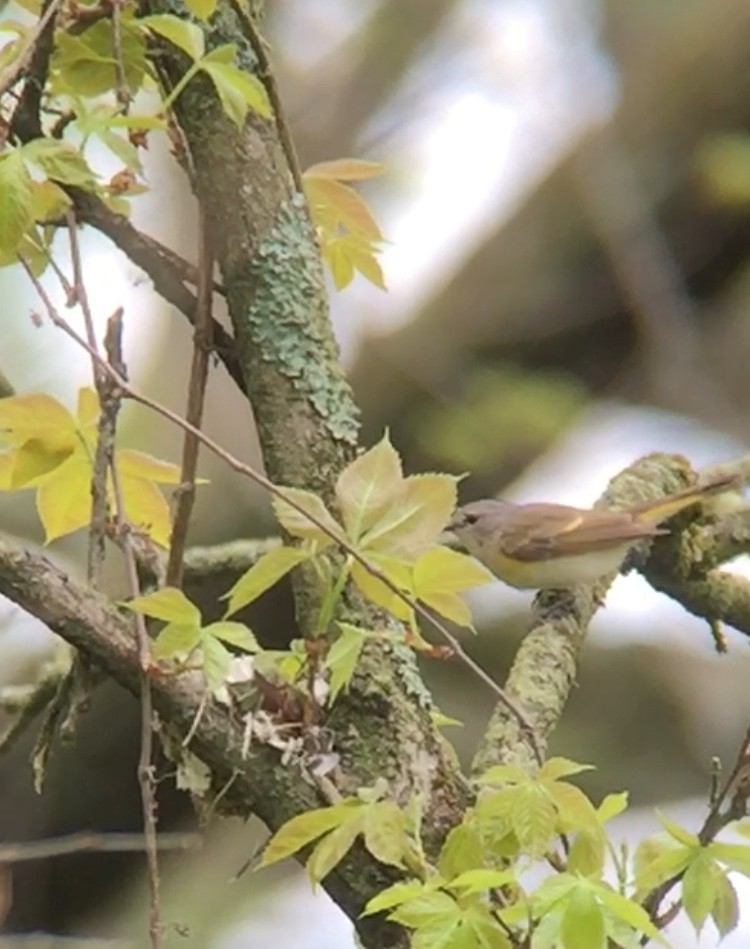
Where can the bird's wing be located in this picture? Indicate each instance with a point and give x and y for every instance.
(545, 531)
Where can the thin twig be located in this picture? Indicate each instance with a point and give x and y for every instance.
(122, 92)
(86, 841)
(260, 479)
(107, 423)
(715, 822)
(146, 779)
(202, 340)
(266, 76)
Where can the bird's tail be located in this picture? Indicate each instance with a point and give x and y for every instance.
(654, 512)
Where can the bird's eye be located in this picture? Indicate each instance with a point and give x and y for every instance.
(470, 518)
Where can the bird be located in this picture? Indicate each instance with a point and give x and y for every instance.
(541, 546)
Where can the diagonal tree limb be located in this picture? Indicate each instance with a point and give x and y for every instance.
(259, 782)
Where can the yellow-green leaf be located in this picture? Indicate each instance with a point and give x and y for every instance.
(345, 169)
(264, 573)
(303, 829)
(342, 657)
(139, 464)
(627, 911)
(658, 860)
(63, 500)
(368, 487)
(533, 818)
(295, 522)
(146, 508)
(237, 91)
(559, 767)
(216, 661)
(735, 856)
(35, 461)
(176, 639)
(332, 849)
(480, 879)
(39, 416)
(583, 925)
(16, 200)
(385, 833)
(587, 853)
(183, 34)
(612, 806)
(61, 161)
(378, 592)
(462, 851)
(168, 604)
(394, 895)
(203, 9)
(680, 834)
(725, 911)
(234, 634)
(699, 889)
(576, 812)
(414, 522)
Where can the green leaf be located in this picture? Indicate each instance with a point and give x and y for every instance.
(303, 829)
(533, 818)
(680, 834)
(626, 911)
(368, 487)
(60, 161)
(216, 662)
(415, 521)
(462, 851)
(394, 895)
(575, 809)
(235, 634)
(84, 65)
(480, 879)
(182, 33)
(735, 856)
(297, 524)
(332, 849)
(612, 806)
(168, 604)
(504, 774)
(440, 575)
(175, 639)
(726, 910)
(377, 591)
(16, 200)
(203, 9)
(342, 657)
(556, 768)
(425, 909)
(583, 924)
(385, 833)
(657, 861)
(268, 570)
(237, 91)
(699, 889)
(587, 853)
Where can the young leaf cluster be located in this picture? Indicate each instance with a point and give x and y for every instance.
(349, 236)
(393, 523)
(479, 893)
(185, 636)
(52, 451)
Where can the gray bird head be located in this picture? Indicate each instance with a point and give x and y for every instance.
(473, 523)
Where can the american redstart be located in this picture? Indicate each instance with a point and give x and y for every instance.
(538, 546)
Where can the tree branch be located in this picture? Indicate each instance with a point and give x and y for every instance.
(546, 664)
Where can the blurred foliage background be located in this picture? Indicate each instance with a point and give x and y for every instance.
(565, 194)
